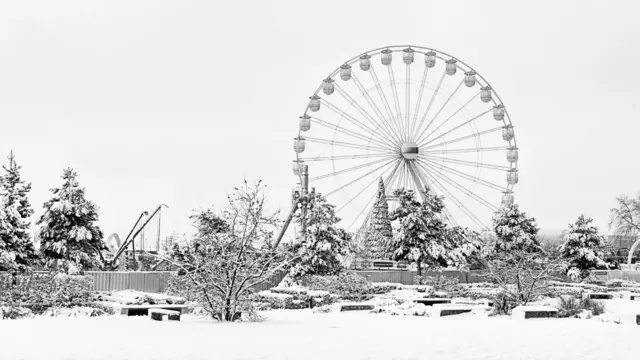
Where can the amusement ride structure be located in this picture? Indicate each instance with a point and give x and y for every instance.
(413, 117)
(118, 248)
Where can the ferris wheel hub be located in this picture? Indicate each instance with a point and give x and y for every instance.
(409, 150)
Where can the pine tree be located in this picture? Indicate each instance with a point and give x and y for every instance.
(515, 231)
(69, 239)
(380, 233)
(581, 243)
(423, 235)
(17, 251)
(323, 244)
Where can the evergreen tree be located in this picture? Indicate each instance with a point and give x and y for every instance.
(423, 235)
(69, 239)
(321, 247)
(380, 233)
(17, 251)
(581, 243)
(515, 231)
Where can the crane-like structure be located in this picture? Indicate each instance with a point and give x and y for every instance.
(111, 263)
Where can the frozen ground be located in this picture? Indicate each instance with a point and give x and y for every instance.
(300, 334)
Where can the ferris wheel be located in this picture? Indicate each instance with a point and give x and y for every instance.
(413, 117)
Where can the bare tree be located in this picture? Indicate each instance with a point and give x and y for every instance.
(231, 253)
(625, 219)
(521, 276)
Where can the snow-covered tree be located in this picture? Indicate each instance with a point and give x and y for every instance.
(380, 233)
(581, 243)
(514, 230)
(17, 251)
(69, 238)
(320, 248)
(424, 237)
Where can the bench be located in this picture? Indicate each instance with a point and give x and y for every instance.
(597, 296)
(534, 312)
(634, 297)
(143, 310)
(439, 310)
(638, 319)
(432, 301)
(352, 307)
(159, 314)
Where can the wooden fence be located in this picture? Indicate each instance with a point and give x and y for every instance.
(156, 281)
(147, 281)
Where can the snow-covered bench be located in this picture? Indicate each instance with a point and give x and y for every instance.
(534, 312)
(141, 310)
(159, 314)
(432, 301)
(634, 297)
(597, 296)
(352, 307)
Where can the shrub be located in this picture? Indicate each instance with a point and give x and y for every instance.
(438, 282)
(38, 291)
(182, 286)
(348, 285)
(570, 307)
(15, 312)
(383, 288)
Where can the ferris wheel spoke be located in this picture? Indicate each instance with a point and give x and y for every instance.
(344, 131)
(368, 206)
(396, 101)
(463, 188)
(384, 124)
(465, 162)
(442, 108)
(465, 175)
(334, 173)
(424, 183)
(420, 137)
(390, 166)
(360, 177)
(378, 139)
(433, 97)
(427, 142)
(455, 200)
(346, 157)
(474, 135)
(418, 101)
(383, 98)
(343, 144)
(467, 150)
(408, 99)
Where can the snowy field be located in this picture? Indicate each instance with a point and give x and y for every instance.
(300, 334)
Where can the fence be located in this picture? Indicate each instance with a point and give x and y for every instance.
(147, 281)
(156, 281)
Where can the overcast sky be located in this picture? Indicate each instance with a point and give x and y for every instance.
(177, 101)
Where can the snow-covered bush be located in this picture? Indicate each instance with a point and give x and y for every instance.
(384, 287)
(38, 291)
(348, 285)
(571, 307)
(439, 282)
(14, 312)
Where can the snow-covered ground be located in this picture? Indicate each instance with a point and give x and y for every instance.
(300, 334)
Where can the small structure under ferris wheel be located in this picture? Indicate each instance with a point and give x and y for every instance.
(385, 114)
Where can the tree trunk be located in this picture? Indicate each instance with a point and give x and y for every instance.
(228, 316)
(419, 263)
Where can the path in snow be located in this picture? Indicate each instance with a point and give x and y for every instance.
(300, 334)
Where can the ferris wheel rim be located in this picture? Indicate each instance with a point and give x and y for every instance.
(443, 56)
(506, 121)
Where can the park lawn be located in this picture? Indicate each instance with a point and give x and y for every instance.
(301, 334)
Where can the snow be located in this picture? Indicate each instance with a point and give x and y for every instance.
(301, 334)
